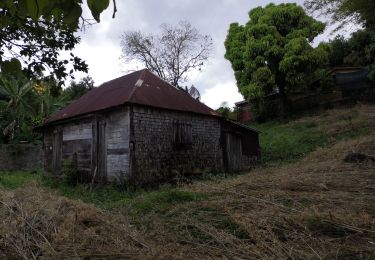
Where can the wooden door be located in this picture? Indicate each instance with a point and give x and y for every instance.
(99, 151)
(232, 152)
(57, 150)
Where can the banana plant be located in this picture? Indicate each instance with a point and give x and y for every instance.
(13, 105)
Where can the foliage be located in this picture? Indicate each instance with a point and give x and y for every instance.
(78, 89)
(339, 49)
(272, 52)
(265, 109)
(26, 104)
(225, 111)
(362, 48)
(357, 50)
(34, 33)
(343, 11)
(172, 55)
(16, 118)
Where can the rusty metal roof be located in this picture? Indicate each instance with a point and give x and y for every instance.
(140, 87)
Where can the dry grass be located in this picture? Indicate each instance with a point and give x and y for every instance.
(318, 208)
(36, 224)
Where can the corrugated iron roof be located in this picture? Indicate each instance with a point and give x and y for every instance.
(140, 87)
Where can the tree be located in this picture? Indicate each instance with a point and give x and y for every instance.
(225, 111)
(272, 52)
(33, 33)
(339, 50)
(14, 106)
(77, 89)
(172, 55)
(358, 50)
(360, 11)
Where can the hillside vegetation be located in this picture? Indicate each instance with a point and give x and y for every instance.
(317, 205)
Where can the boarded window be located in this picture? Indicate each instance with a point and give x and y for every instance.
(182, 135)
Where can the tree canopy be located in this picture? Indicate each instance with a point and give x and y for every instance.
(272, 53)
(361, 11)
(78, 89)
(357, 50)
(172, 55)
(34, 32)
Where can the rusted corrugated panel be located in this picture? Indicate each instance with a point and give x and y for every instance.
(140, 87)
(157, 93)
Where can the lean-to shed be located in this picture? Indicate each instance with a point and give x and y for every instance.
(143, 128)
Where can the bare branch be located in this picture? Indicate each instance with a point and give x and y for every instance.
(173, 54)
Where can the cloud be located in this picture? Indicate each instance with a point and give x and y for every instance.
(100, 45)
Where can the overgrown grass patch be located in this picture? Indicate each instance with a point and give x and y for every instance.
(289, 142)
(16, 179)
(106, 196)
(139, 200)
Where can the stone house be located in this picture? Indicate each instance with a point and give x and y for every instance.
(141, 127)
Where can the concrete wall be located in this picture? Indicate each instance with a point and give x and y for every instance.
(19, 157)
(155, 155)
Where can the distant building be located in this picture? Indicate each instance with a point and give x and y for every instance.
(350, 79)
(141, 127)
(244, 114)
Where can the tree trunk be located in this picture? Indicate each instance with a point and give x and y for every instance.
(284, 102)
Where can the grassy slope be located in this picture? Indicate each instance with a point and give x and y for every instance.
(316, 207)
(293, 140)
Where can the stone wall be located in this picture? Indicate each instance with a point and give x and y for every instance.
(155, 154)
(21, 157)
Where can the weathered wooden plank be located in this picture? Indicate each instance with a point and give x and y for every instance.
(117, 151)
(57, 150)
(102, 151)
(94, 147)
(77, 131)
(77, 146)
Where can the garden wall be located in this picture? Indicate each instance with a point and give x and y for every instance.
(17, 157)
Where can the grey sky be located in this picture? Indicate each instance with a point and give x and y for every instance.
(100, 45)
